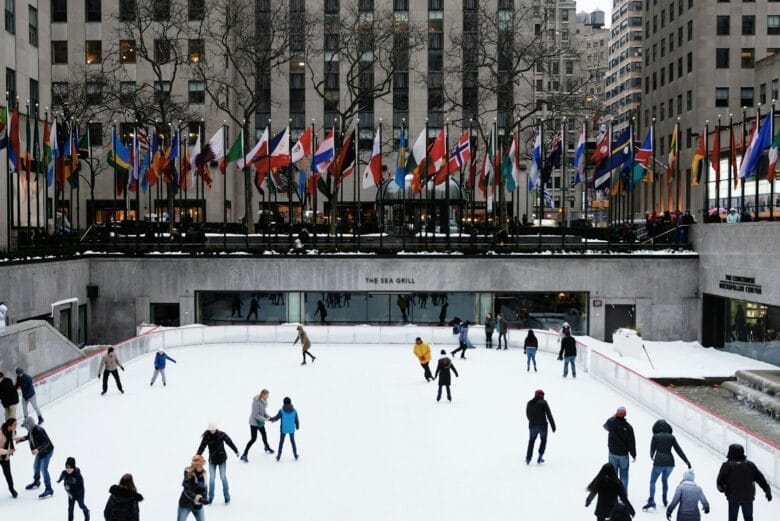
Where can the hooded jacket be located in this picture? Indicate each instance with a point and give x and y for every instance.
(737, 476)
(423, 352)
(538, 412)
(8, 394)
(621, 441)
(25, 382)
(37, 437)
(74, 483)
(688, 495)
(443, 371)
(160, 360)
(216, 441)
(122, 505)
(662, 444)
(289, 417)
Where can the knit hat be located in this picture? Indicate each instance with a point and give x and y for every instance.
(688, 475)
(621, 412)
(442, 352)
(212, 426)
(287, 400)
(19, 370)
(28, 423)
(70, 462)
(418, 339)
(538, 393)
(197, 459)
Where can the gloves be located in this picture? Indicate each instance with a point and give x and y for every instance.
(669, 516)
(122, 368)
(553, 429)
(587, 503)
(689, 465)
(525, 351)
(99, 375)
(769, 496)
(706, 510)
(560, 357)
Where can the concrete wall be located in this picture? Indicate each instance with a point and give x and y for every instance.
(35, 346)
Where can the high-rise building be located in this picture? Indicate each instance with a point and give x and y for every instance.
(624, 76)
(593, 50)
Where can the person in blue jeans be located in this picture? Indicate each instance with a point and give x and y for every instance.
(568, 354)
(661, 446)
(621, 443)
(538, 413)
(193, 493)
(530, 345)
(43, 449)
(289, 425)
(501, 327)
(74, 486)
(215, 440)
(736, 480)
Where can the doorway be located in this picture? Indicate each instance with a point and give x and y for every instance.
(618, 316)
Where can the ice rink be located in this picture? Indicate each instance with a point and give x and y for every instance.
(374, 444)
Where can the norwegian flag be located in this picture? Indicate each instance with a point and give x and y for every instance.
(462, 153)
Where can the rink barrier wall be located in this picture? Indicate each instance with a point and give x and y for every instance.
(705, 426)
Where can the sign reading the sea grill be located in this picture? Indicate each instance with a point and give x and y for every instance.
(739, 283)
(390, 280)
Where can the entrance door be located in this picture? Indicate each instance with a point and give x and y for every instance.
(713, 320)
(617, 316)
(165, 314)
(64, 325)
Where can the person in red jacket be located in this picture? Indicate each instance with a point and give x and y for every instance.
(736, 479)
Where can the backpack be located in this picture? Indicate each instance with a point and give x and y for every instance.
(456, 329)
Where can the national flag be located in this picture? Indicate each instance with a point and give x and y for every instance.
(619, 159)
(302, 149)
(417, 153)
(27, 157)
(553, 159)
(733, 157)
(153, 171)
(698, 157)
(195, 152)
(485, 175)
(279, 145)
(71, 158)
(4, 129)
(760, 141)
(642, 159)
(259, 150)
(39, 167)
(510, 165)
(400, 162)
(460, 155)
(168, 163)
(118, 158)
(235, 153)
(774, 152)
(14, 145)
(372, 175)
(324, 154)
(674, 155)
(536, 161)
(213, 151)
(579, 158)
(602, 150)
(715, 155)
(437, 153)
(344, 163)
(184, 176)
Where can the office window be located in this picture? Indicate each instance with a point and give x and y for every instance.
(127, 10)
(161, 10)
(679, 104)
(196, 49)
(127, 51)
(690, 62)
(746, 96)
(59, 93)
(162, 50)
(32, 14)
(10, 16)
(10, 83)
(776, 89)
(35, 95)
(59, 10)
(93, 10)
(94, 93)
(59, 51)
(748, 25)
(196, 9)
(748, 58)
(762, 93)
(95, 134)
(197, 92)
(773, 24)
(722, 58)
(94, 51)
(690, 30)
(679, 36)
(723, 25)
(126, 92)
(671, 72)
(162, 89)
(689, 100)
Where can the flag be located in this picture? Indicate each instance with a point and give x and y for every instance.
(553, 159)
(195, 152)
(620, 159)
(324, 154)
(372, 176)
(417, 153)
(698, 157)
(39, 169)
(760, 141)
(213, 151)
(437, 154)
(579, 158)
(279, 145)
(344, 163)
(184, 176)
(774, 152)
(71, 157)
(302, 148)
(642, 159)
(674, 155)
(487, 165)
(154, 170)
(259, 150)
(461, 154)
(536, 161)
(4, 129)
(602, 150)
(733, 156)
(235, 153)
(14, 145)
(510, 166)
(715, 155)
(27, 158)
(118, 158)
(168, 163)
(400, 162)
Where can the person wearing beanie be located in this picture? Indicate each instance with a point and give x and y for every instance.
(490, 326)
(443, 369)
(688, 496)
(621, 444)
(609, 489)
(737, 478)
(122, 504)
(9, 398)
(501, 328)
(215, 440)
(305, 344)
(74, 486)
(538, 413)
(108, 365)
(423, 353)
(160, 360)
(661, 446)
(193, 494)
(290, 423)
(568, 354)
(463, 340)
(43, 449)
(7, 449)
(24, 383)
(257, 418)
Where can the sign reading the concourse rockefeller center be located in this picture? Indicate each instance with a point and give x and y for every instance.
(739, 283)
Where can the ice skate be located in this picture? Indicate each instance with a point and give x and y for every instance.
(649, 505)
(33, 485)
(46, 494)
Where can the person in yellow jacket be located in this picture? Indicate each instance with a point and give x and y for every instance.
(423, 353)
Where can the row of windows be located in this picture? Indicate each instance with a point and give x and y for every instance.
(10, 87)
(746, 96)
(661, 74)
(32, 17)
(93, 10)
(723, 25)
(93, 51)
(60, 91)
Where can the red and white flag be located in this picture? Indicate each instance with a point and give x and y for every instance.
(372, 176)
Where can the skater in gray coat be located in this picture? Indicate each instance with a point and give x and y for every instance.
(257, 419)
(688, 495)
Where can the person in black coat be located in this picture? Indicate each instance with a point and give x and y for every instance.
(9, 398)
(736, 479)
(609, 489)
(621, 443)
(530, 346)
(661, 446)
(122, 504)
(193, 493)
(74, 486)
(538, 413)
(443, 369)
(215, 440)
(43, 449)
(568, 354)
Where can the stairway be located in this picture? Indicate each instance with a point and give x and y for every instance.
(757, 389)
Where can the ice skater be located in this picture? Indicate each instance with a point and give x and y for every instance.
(568, 354)
(609, 489)
(8, 396)
(661, 446)
(257, 419)
(530, 345)
(122, 504)
(254, 307)
(215, 440)
(193, 493)
(688, 496)
(290, 423)
(490, 325)
(43, 449)
(74, 486)
(423, 353)
(538, 413)
(24, 383)
(235, 305)
(108, 365)
(621, 444)
(443, 369)
(736, 480)
(321, 311)
(463, 340)
(305, 344)
(7, 449)
(501, 328)
(160, 360)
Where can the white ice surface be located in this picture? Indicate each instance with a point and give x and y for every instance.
(373, 442)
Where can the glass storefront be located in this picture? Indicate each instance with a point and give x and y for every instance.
(218, 307)
(544, 310)
(750, 329)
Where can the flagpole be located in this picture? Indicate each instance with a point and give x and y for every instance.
(758, 123)
(403, 196)
(289, 186)
(610, 209)
(584, 201)
(744, 149)
(379, 187)
(541, 188)
(243, 177)
(706, 170)
(8, 171)
(355, 189)
(717, 175)
(732, 153)
(27, 168)
(137, 170)
(564, 182)
(224, 186)
(78, 186)
(446, 179)
(314, 181)
(771, 175)
(38, 162)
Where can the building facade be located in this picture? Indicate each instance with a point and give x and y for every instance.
(624, 76)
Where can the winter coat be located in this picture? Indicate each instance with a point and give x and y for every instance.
(531, 342)
(662, 444)
(304, 338)
(608, 491)
(443, 371)
(8, 394)
(289, 417)
(423, 352)
(37, 437)
(620, 512)
(501, 325)
(737, 477)
(490, 325)
(160, 359)
(215, 441)
(191, 487)
(122, 504)
(6, 444)
(463, 333)
(25, 382)
(688, 495)
(109, 362)
(568, 347)
(258, 415)
(538, 412)
(74, 483)
(621, 441)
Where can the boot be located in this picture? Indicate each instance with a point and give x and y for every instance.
(650, 504)
(665, 501)
(40, 419)
(46, 493)
(244, 458)
(34, 484)
(269, 450)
